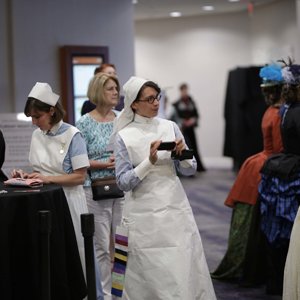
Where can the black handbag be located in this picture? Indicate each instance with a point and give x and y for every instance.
(106, 188)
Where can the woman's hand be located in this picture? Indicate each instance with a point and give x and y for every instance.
(77, 177)
(39, 176)
(18, 173)
(180, 146)
(189, 122)
(111, 162)
(102, 165)
(153, 151)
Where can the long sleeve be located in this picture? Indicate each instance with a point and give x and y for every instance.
(127, 179)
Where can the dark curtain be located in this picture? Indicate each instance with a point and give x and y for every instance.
(243, 112)
(2, 156)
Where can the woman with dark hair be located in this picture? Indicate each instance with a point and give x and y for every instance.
(280, 195)
(57, 154)
(165, 254)
(245, 257)
(57, 151)
(2, 156)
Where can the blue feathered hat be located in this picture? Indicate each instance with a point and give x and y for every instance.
(271, 75)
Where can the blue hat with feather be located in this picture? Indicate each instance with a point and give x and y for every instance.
(271, 75)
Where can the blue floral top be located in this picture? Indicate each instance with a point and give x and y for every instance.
(96, 135)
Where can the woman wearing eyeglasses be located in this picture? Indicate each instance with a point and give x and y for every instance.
(165, 254)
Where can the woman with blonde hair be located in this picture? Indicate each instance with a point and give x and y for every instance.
(96, 127)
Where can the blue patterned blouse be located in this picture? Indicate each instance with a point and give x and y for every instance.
(96, 135)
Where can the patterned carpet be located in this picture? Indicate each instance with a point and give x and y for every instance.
(207, 192)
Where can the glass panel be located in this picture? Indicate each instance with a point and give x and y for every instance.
(78, 102)
(83, 71)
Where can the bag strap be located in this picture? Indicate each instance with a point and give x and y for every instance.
(104, 180)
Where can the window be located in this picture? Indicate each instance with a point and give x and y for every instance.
(77, 68)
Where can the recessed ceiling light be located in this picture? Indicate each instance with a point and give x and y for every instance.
(233, 0)
(175, 14)
(208, 7)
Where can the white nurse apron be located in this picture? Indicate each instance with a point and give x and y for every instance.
(166, 260)
(46, 155)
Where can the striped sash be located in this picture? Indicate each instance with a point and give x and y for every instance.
(120, 261)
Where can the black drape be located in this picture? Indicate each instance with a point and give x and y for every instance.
(2, 156)
(20, 253)
(243, 112)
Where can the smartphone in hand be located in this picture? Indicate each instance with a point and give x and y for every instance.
(166, 146)
(186, 154)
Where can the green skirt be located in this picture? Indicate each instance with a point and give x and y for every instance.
(232, 265)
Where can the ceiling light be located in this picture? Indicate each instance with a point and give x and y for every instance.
(208, 7)
(175, 14)
(234, 0)
(134, 1)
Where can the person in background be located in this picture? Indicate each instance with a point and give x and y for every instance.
(280, 195)
(165, 254)
(3, 177)
(96, 127)
(244, 260)
(58, 155)
(109, 69)
(185, 114)
(163, 103)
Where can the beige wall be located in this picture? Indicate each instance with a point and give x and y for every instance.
(201, 51)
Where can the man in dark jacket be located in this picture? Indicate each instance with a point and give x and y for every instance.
(186, 116)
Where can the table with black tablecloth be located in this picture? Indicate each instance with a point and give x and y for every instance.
(20, 255)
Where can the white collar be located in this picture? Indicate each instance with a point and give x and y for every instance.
(141, 119)
(54, 129)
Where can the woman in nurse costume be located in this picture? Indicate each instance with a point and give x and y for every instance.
(58, 155)
(165, 259)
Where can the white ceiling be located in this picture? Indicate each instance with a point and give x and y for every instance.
(154, 9)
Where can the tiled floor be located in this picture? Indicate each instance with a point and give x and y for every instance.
(207, 192)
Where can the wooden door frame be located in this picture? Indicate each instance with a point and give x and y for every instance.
(66, 71)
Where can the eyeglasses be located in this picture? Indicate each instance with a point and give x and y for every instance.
(151, 99)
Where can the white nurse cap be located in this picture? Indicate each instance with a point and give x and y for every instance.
(43, 92)
(131, 89)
